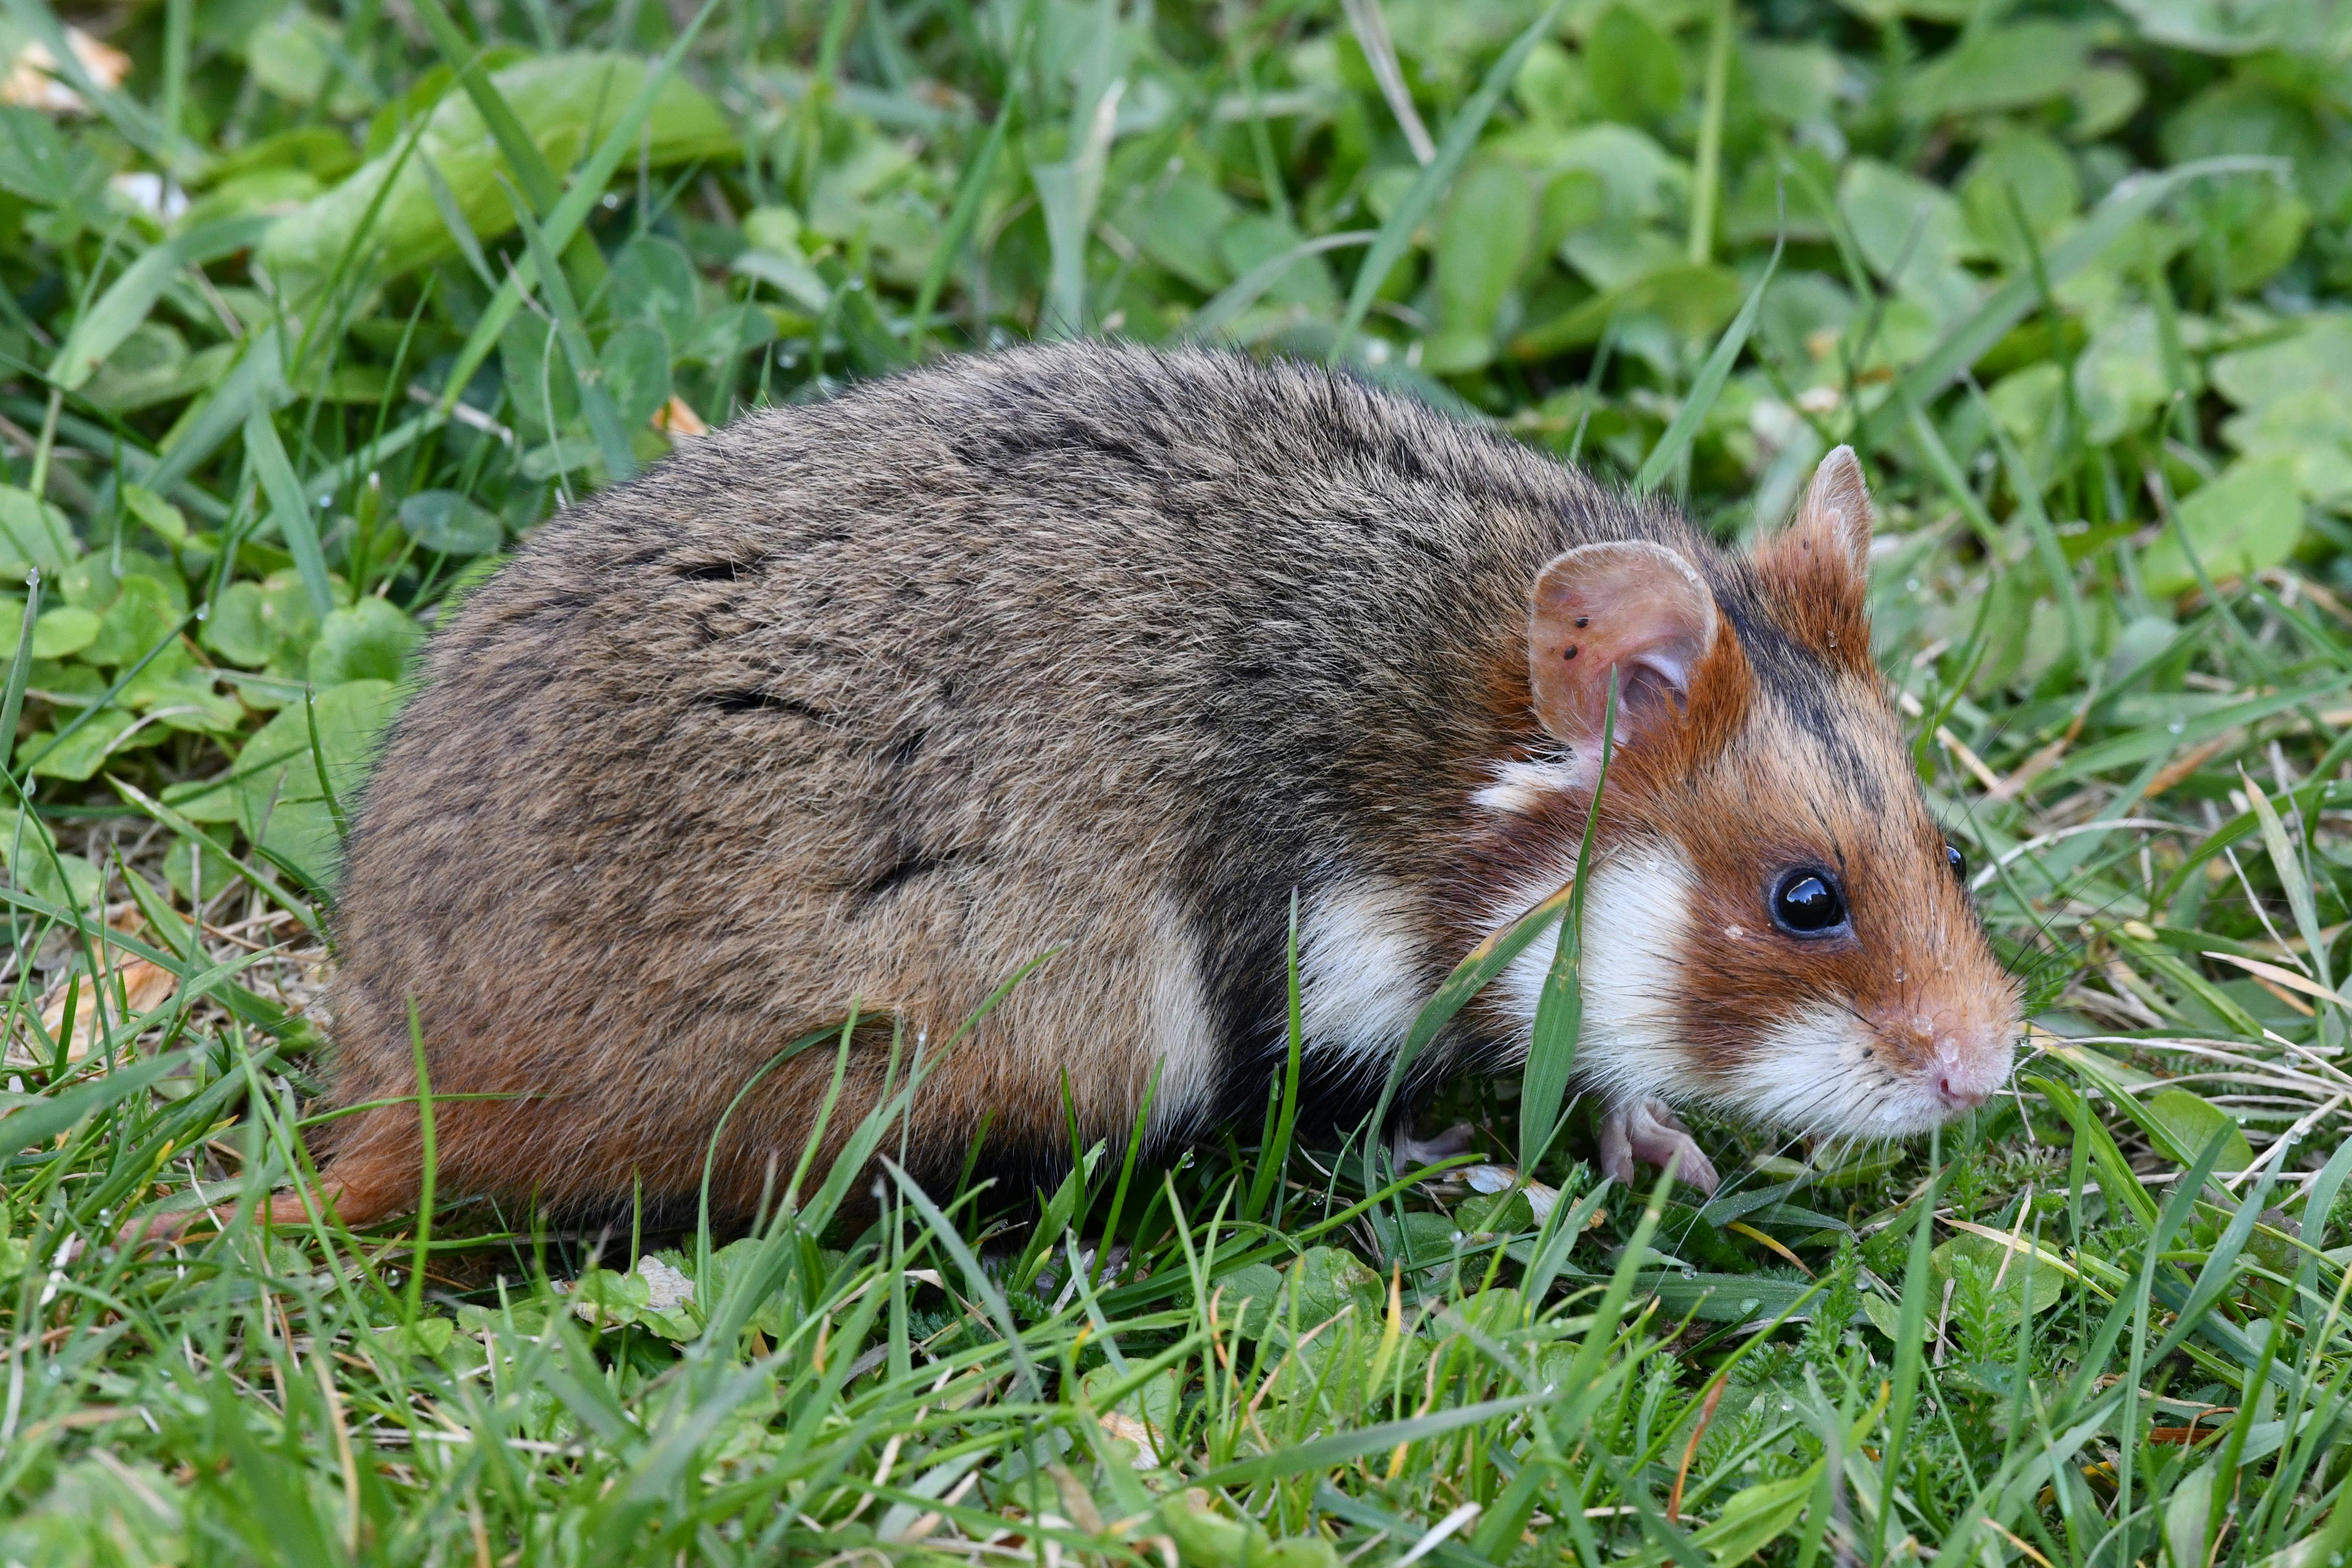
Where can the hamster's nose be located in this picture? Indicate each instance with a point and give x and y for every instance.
(1963, 1081)
(1958, 1091)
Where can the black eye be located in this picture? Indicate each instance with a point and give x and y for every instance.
(1958, 862)
(1808, 903)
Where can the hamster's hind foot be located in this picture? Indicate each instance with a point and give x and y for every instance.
(356, 1198)
(1649, 1130)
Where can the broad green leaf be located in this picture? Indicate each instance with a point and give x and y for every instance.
(58, 633)
(2019, 172)
(277, 797)
(1484, 239)
(2245, 521)
(33, 533)
(41, 166)
(81, 754)
(2228, 26)
(653, 280)
(446, 521)
(370, 640)
(635, 364)
(1754, 1517)
(2186, 1520)
(1324, 1282)
(293, 54)
(263, 623)
(1254, 240)
(2311, 432)
(151, 365)
(2187, 1121)
(1994, 1260)
(1632, 70)
(166, 520)
(2315, 359)
(566, 103)
(197, 867)
(179, 694)
(1989, 69)
(2120, 380)
(141, 616)
(1911, 233)
(1181, 227)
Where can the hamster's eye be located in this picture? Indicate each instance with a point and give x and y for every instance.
(1957, 861)
(1807, 903)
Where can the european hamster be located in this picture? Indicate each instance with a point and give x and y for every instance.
(871, 702)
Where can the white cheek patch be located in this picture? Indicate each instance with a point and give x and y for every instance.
(1519, 787)
(1636, 919)
(1360, 961)
(1815, 1072)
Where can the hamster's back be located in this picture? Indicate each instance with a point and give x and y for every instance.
(867, 703)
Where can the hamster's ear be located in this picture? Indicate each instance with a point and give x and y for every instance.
(1631, 607)
(1818, 567)
(1831, 532)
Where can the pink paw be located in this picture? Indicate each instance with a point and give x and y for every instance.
(1649, 1130)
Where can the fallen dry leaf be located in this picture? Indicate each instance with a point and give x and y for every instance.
(143, 987)
(32, 81)
(1127, 1429)
(677, 418)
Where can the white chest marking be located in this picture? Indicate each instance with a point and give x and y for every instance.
(1360, 979)
(1636, 917)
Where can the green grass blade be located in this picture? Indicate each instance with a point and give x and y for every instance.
(1910, 1336)
(595, 398)
(100, 330)
(1706, 387)
(564, 219)
(43, 1120)
(976, 1279)
(289, 507)
(1248, 289)
(1486, 961)
(1461, 134)
(971, 190)
(1560, 1007)
(521, 153)
(20, 669)
(1342, 1447)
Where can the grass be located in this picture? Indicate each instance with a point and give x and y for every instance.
(307, 312)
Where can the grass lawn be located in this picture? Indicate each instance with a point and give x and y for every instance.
(306, 310)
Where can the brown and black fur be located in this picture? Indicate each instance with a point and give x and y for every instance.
(867, 703)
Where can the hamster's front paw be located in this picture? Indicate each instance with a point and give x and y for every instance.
(1453, 1143)
(1649, 1131)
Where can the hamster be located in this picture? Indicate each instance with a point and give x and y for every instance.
(1106, 652)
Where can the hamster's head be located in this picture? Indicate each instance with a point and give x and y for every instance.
(1775, 922)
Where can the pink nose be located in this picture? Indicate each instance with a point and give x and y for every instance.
(1959, 1089)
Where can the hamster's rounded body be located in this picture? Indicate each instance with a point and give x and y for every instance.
(868, 703)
